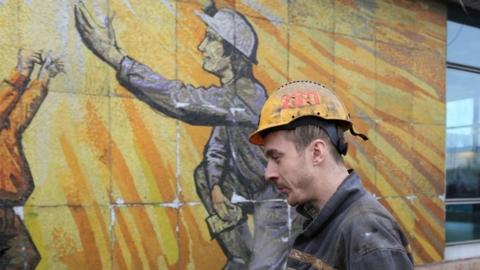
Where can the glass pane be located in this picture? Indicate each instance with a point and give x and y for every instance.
(460, 112)
(463, 166)
(463, 94)
(463, 44)
(459, 139)
(478, 109)
(462, 142)
(463, 222)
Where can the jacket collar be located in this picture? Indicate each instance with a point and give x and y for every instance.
(347, 193)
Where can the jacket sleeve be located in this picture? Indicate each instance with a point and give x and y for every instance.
(376, 241)
(216, 156)
(27, 106)
(197, 106)
(392, 259)
(10, 90)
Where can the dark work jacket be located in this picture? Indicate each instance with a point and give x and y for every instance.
(352, 231)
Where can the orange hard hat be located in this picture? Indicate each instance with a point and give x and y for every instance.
(298, 99)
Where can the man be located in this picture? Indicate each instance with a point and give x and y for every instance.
(301, 130)
(230, 166)
(19, 102)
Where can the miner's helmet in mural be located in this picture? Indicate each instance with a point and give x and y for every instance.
(235, 29)
(302, 103)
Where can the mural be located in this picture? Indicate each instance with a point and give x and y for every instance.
(19, 102)
(139, 155)
(231, 166)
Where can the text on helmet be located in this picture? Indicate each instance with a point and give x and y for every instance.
(300, 99)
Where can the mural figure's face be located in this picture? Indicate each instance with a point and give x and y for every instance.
(211, 48)
(287, 168)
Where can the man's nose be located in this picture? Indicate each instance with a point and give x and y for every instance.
(270, 172)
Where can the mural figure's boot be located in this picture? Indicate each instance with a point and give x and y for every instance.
(232, 264)
(236, 244)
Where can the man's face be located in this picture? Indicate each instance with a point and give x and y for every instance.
(287, 168)
(211, 48)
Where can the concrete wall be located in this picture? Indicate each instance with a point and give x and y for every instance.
(470, 264)
(114, 183)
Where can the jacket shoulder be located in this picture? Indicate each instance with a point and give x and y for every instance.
(369, 226)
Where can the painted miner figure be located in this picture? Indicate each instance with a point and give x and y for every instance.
(20, 100)
(231, 166)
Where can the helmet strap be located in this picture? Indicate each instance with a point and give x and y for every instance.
(335, 133)
(333, 129)
(354, 133)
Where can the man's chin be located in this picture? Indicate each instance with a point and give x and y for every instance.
(291, 202)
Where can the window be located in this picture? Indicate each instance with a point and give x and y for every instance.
(462, 227)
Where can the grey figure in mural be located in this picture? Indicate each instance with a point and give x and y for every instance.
(231, 166)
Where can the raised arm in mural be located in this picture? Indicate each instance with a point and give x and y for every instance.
(19, 101)
(231, 166)
(14, 86)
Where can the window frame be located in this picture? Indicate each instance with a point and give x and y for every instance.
(468, 248)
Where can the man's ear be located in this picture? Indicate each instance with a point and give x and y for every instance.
(319, 150)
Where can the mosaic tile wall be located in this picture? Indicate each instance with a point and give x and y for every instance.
(114, 179)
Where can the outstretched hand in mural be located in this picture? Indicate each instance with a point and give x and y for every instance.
(9, 95)
(27, 60)
(99, 39)
(50, 68)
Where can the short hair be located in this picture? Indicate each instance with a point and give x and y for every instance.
(302, 136)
